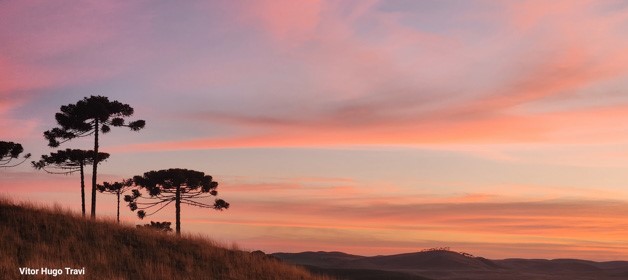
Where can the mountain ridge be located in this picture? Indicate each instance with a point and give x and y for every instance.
(449, 265)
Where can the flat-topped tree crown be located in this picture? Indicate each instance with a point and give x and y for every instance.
(116, 188)
(88, 117)
(10, 151)
(174, 185)
(166, 180)
(67, 161)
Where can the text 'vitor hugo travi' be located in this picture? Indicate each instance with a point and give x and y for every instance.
(52, 271)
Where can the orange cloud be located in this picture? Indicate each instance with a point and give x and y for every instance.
(496, 130)
(571, 227)
(340, 214)
(583, 228)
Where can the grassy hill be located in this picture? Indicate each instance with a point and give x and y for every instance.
(36, 237)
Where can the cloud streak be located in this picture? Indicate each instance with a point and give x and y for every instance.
(360, 92)
(468, 221)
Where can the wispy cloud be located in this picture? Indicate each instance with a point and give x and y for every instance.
(398, 89)
(466, 221)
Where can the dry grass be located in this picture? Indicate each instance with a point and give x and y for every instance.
(36, 237)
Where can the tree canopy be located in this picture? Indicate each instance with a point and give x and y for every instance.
(67, 162)
(173, 185)
(88, 117)
(10, 151)
(116, 188)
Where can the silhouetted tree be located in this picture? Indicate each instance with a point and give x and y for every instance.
(174, 185)
(10, 151)
(157, 226)
(116, 188)
(67, 162)
(88, 117)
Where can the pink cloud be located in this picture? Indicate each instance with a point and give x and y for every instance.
(363, 93)
(288, 20)
(48, 46)
(13, 129)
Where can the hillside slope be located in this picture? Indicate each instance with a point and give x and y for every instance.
(42, 238)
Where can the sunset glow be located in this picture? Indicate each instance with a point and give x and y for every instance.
(497, 128)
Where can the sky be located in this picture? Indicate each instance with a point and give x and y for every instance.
(370, 127)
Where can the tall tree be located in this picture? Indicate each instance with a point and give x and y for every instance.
(116, 188)
(181, 186)
(67, 162)
(10, 151)
(88, 117)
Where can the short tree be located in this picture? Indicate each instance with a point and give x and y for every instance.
(67, 162)
(157, 226)
(116, 188)
(10, 151)
(173, 185)
(88, 117)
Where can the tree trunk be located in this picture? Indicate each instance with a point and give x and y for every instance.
(82, 190)
(118, 193)
(177, 205)
(95, 170)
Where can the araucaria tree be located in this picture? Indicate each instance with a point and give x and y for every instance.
(10, 151)
(116, 188)
(181, 186)
(67, 162)
(88, 117)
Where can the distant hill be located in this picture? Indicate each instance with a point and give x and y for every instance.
(320, 259)
(448, 265)
(32, 237)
